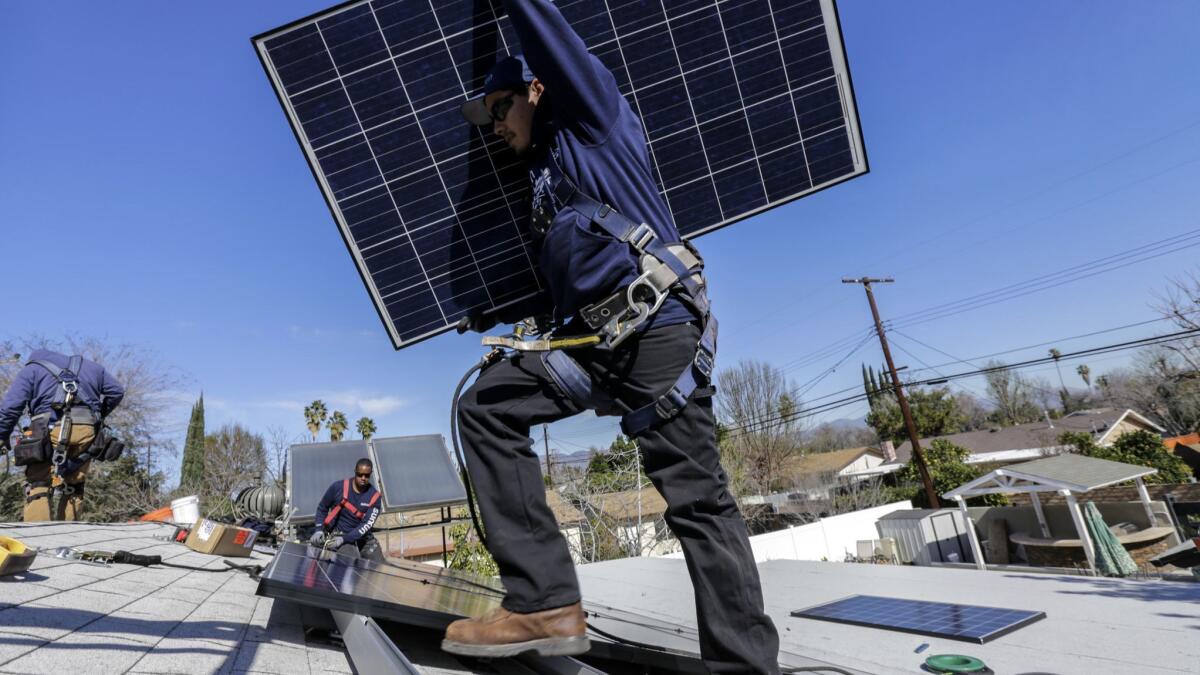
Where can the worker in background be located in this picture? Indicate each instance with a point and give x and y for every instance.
(346, 514)
(53, 388)
(560, 110)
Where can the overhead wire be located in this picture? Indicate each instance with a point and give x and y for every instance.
(784, 418)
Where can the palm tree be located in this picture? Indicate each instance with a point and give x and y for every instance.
(1086, 374)
(337, 425)
(1056, 355)
(366, 428)
(314, 416)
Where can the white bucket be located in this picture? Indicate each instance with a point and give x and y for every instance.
(185, 510)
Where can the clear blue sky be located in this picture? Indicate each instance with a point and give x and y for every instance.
(142, 146)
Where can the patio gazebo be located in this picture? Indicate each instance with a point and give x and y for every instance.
(1069, 475)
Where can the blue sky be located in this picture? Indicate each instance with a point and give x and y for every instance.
(141, 145)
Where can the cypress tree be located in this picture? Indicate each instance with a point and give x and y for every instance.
(192, 473)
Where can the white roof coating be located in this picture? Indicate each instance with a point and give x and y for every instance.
(70, 617)
(1093, 625)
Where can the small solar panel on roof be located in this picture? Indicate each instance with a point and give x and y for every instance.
(969, 623)
(746, 105)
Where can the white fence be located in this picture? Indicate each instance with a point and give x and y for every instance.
(826, 539)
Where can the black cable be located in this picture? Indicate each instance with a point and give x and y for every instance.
(462, 463)
(815, 669)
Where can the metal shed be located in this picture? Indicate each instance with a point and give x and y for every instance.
(925, 536)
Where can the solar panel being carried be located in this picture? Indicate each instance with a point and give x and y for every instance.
(416, 473)
(747, 104)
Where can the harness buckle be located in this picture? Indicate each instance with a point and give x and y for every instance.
(674, 399)
(641, 237)
(70, 387)
(704, 363)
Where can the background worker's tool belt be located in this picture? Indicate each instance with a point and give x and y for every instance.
(664, 270)
(35, 447)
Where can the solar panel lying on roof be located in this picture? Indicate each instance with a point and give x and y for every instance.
(412, 593)
(969, 623)
(415, 472)
(747, 104)
(314, 466)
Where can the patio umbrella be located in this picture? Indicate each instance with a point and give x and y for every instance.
(1112, 560)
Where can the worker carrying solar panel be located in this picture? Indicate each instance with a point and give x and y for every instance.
(67, 398)
(346, 514)
(611, 259)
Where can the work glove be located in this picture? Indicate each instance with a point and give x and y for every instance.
(317, 538)
(478, 323)
(335, 543)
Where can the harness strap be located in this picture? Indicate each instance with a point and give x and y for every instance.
(346, 504)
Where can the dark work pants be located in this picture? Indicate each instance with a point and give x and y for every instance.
(681, 459)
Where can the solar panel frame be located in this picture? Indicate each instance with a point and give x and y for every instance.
(873, 611)
(415, 472)
(402, 591)
(318, 465)
(733, 177)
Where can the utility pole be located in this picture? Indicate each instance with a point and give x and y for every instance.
(918, 454)
(546, 444)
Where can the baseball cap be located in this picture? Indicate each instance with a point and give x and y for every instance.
(510, 72)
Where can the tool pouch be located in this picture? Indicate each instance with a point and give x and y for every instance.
(34, 448)
(106, 447)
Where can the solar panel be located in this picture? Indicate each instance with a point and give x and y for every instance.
(411, 593)
(969, 623)
(747, 104)
(415, 472)
(314, 466)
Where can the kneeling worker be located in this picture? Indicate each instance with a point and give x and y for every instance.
(346, 514)
(55, 387)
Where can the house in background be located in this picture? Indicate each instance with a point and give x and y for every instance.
(1028, 441)
(817, 474)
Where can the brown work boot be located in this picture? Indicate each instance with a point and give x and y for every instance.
(561, 631)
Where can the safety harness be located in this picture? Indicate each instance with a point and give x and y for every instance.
(68, 380)
(331, 517)
(663, 270)
(103, 448)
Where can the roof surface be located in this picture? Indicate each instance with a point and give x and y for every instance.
(1027, 436)
(71, 617)
(1092, 625)
(827, 462)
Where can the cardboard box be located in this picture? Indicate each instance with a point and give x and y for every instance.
(218, 539)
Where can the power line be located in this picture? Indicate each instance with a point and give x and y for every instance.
(1044, 282)
(833, 405)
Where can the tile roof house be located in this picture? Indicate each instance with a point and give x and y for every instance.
(1033, 440)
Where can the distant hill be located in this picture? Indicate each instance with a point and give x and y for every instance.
(578, 459)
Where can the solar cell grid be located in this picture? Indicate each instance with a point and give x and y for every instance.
(746, 105)
(970, 623)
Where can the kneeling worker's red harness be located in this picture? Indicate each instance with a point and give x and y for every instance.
(366, 518)
(345, 504)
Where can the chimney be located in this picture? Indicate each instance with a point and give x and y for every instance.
(889, 451)
(1048, 421)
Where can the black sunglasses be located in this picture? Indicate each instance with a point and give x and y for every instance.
(362, 475)
(500, 108)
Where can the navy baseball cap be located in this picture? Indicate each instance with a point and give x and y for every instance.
(510, 72)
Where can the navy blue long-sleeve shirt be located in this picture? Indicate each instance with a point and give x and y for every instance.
(601, 147)
(37, 388)
(352, 528)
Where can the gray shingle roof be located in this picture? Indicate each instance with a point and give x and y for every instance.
(70, 617)
(1024, 436)
(1084, 473)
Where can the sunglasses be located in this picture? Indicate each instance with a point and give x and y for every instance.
(500, 108)
(362, 475)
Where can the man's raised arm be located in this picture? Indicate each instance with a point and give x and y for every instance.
(584, 91)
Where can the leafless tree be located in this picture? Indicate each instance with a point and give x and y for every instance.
(234, 458)
(278, 440)
(614, 519)
(1180, 303)
(1013, 394)
(760, 406)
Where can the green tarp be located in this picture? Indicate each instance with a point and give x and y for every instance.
(1112, 560)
